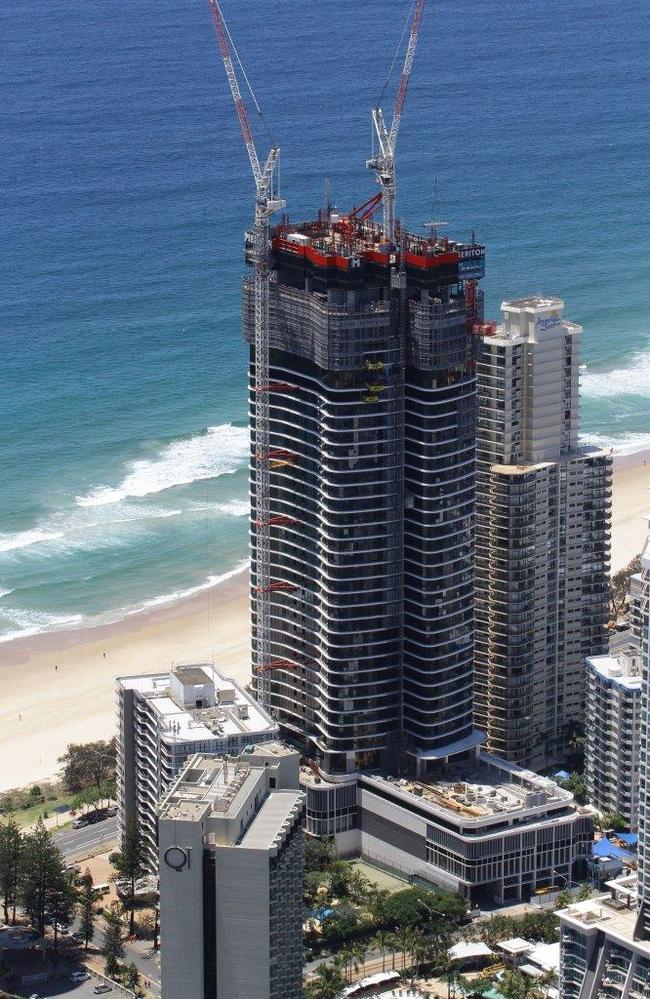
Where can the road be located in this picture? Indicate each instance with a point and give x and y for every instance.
(77, 842)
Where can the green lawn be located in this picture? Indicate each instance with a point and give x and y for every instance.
(27, 816)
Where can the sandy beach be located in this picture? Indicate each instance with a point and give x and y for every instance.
(43, 708)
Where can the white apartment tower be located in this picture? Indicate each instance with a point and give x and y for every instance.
(231, 868)
(612, 728)
(542, 536)
(605, 942)
(162, 719)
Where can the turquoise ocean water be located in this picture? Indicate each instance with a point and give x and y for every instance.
(125, 193)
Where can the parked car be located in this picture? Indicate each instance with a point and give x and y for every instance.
(79, 976)
(99, 990)
(111, 811)
(62, 929)
(79, 822)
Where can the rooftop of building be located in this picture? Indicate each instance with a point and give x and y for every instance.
(273, 821)
(518, 314)
(212, 784)
(614, 914)
(229, 711)
(490, 788)
(343, 236)
(216, 787)
(622, 670)
(534, 303)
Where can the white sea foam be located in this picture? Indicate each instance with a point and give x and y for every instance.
(33, 622)
(634, 379)
(24, 539)
(219, 451)
(628, 443)
(172, 598)
(233, 508)
(5, 593)
(83, 530)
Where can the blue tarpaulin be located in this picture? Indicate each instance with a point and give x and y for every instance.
(630, 838)
(562, 775)
(605, 848)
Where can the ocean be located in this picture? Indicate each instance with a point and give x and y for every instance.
(126, 191)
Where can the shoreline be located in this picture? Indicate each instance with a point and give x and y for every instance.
(57, 687)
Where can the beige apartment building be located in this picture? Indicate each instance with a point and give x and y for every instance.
(543, 516)
(231, 871)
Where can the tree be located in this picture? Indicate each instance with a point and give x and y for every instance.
(474, 986)
(575, 741)
(563, 899)
(88, 764)
(513, 985)
(621, 585)
(328, 982)
(382, 943)
(341, 926)
(130, 863)
(496, 928)
(131, 976)
(11, 844)
(340, 879)
(61, 900)
(575, 783)
(611, 821)
(311, 886)
(87, 908)
(43, 885)
(544, 926)
(113, 948)
(413, 907)
(320, 854)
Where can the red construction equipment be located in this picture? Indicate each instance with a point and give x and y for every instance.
(275, 586)
(280, 664)
(275, 387)
(278, 520)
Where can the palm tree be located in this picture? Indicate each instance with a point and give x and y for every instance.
(358, 952)
(393, 946)
(405, 942)
(344, 958)
(449, 974)
(382, 940)
(328, 982)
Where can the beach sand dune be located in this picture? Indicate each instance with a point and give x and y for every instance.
(42, 709)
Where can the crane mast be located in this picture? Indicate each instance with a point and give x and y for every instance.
(266, 204)
(384, 162)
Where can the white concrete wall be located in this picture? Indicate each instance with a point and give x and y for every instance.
(181, 913)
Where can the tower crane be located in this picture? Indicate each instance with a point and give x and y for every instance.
(384, 162)
(267, 203)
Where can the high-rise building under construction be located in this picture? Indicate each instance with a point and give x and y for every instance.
(371, 414)
(362, 408)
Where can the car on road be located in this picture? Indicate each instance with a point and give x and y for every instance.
(99, 990)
